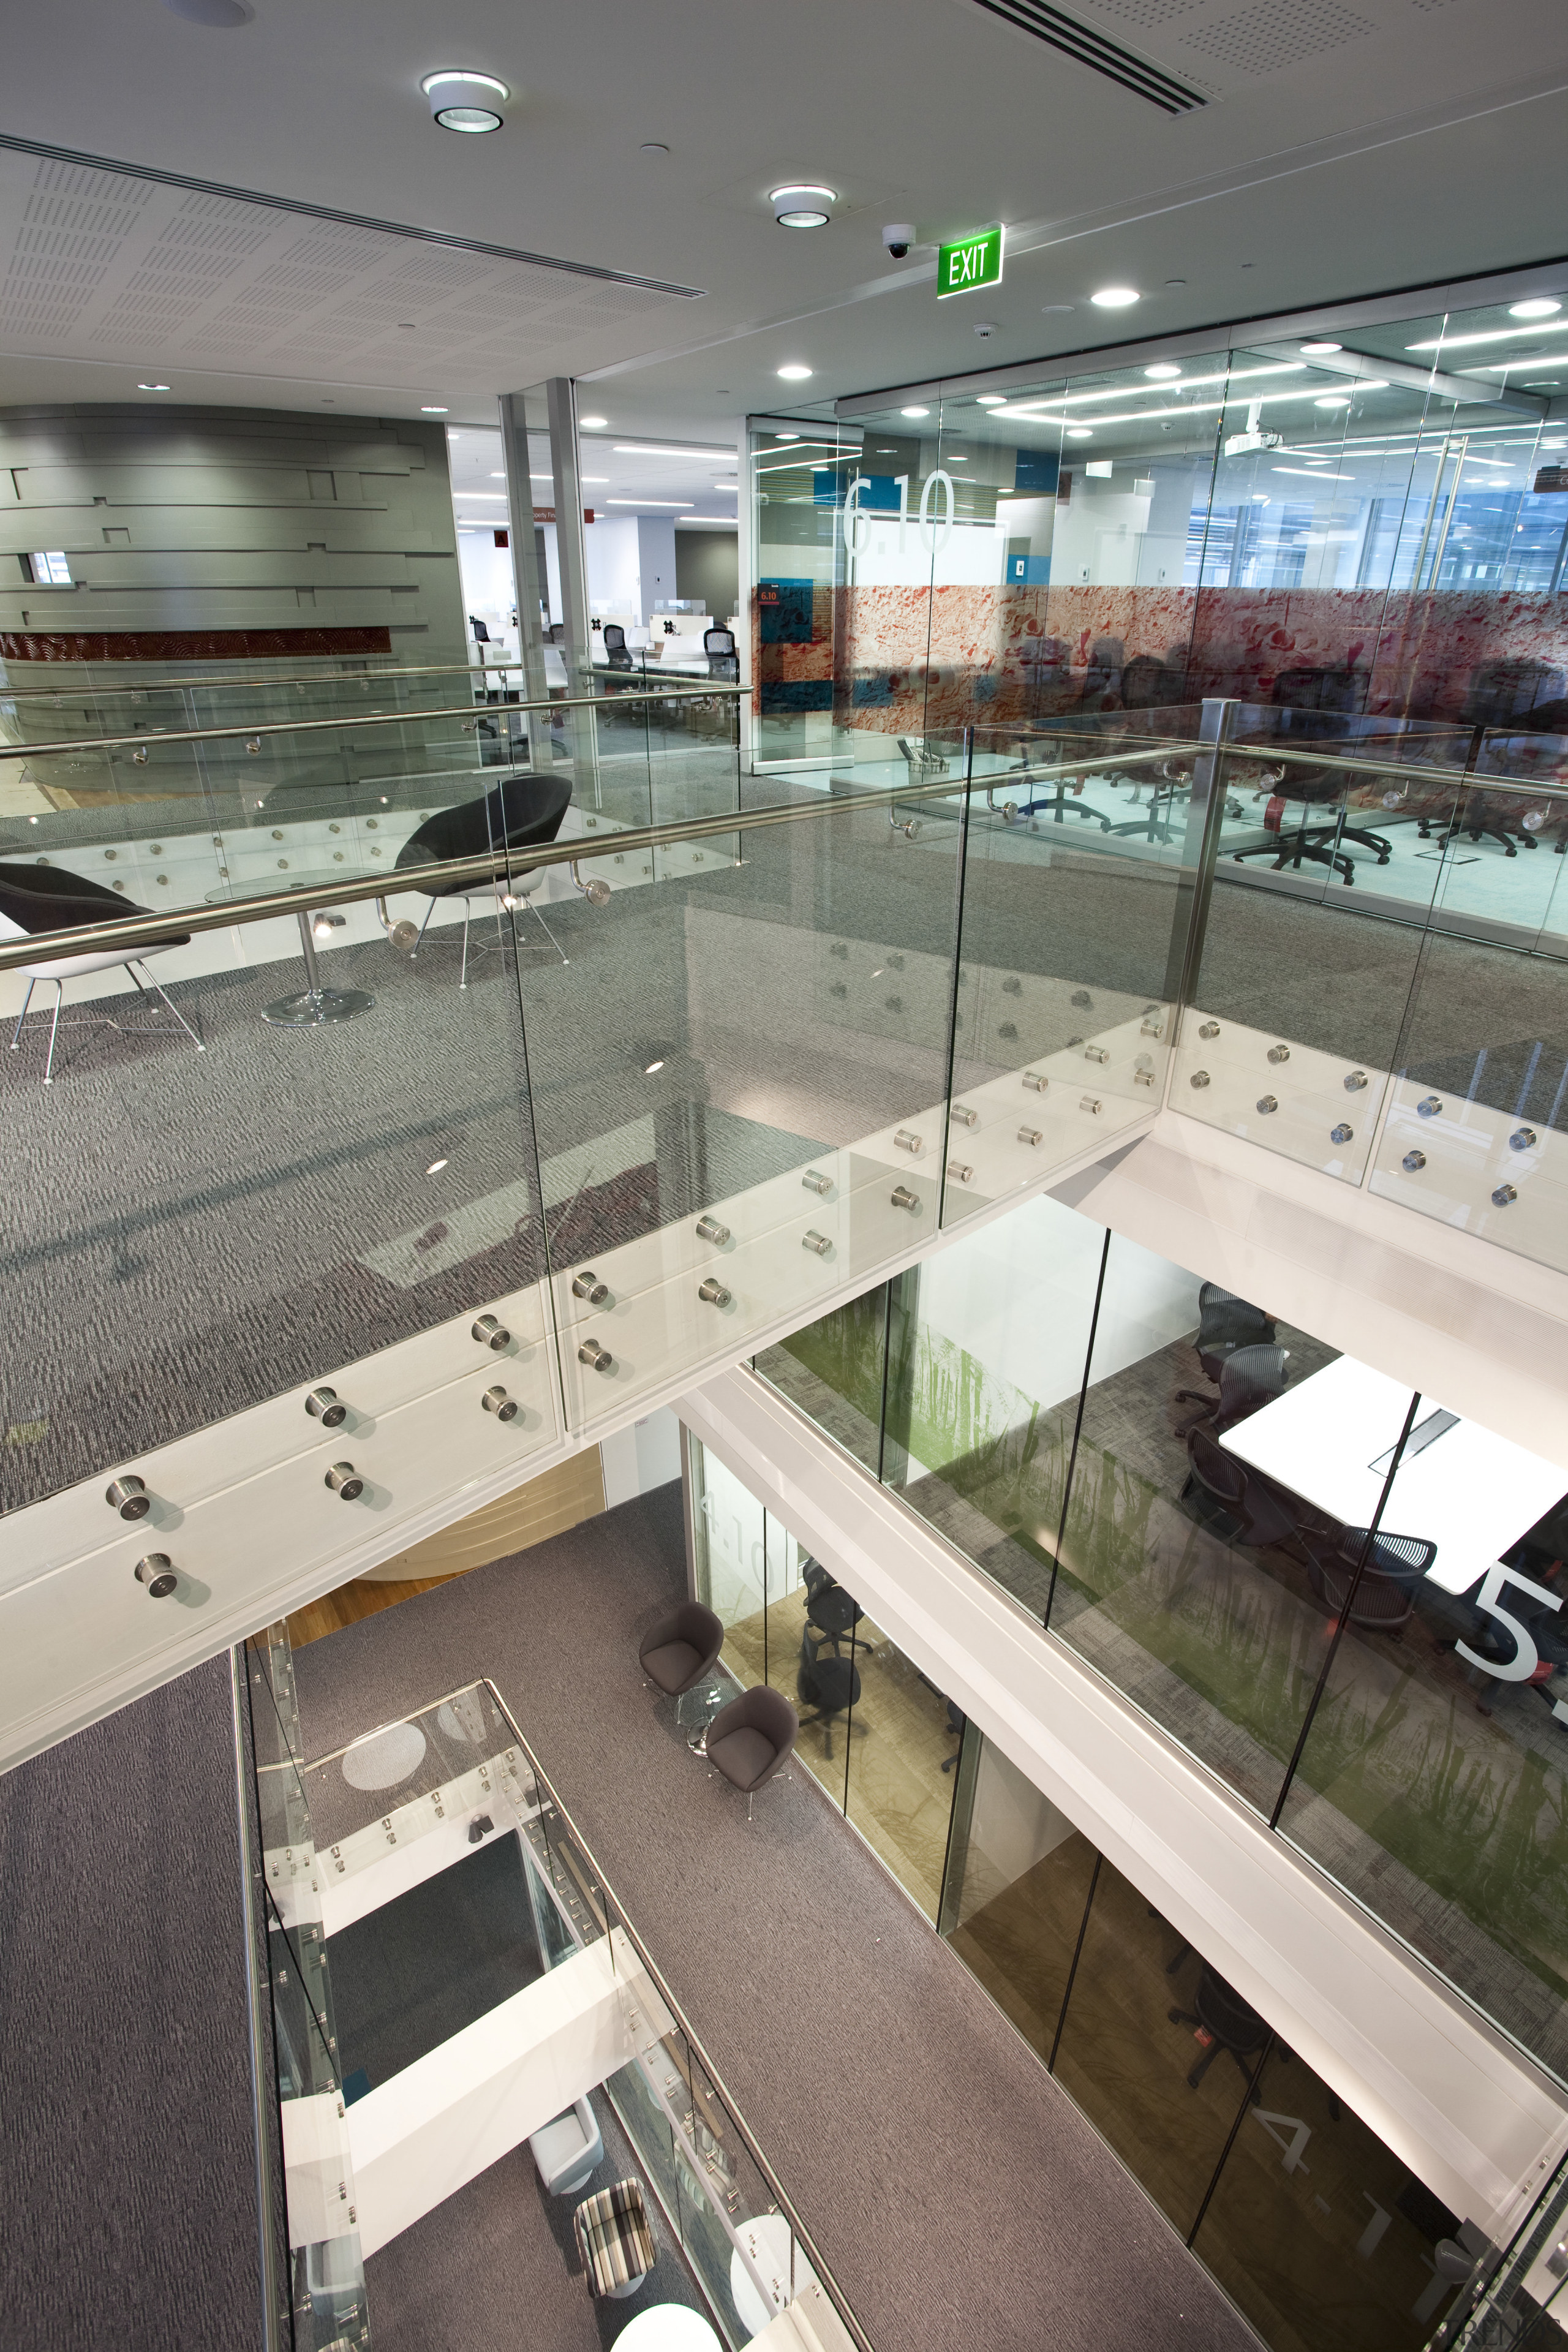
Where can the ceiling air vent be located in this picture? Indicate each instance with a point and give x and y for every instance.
(1090, 48)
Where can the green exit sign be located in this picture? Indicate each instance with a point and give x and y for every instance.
(969, 262)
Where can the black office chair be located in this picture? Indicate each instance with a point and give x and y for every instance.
(521, 812)
(830, 1612)
(1249, 1377)
(478, 630)
(829, 1685)
(956, 1721)
(37, 900)
(615, 649)
(1254, 1510)
(1232, 2024)
(1386, 1593)
(723, 661)
(1149, 684)
(1225, 1324)
(1057, 804)
(1316, 705)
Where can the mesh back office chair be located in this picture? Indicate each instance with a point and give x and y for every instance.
(1249, 1377)
(1255, 1511)
(1149, 684)
(1226, 1322)
(723, 661)
(38, 899)
(615, 649)
(1520, 696)
(830, 1611)
(521, 812)
(1387, 1592)
(829, 1685)
(1230, 2023)
(1317, 706)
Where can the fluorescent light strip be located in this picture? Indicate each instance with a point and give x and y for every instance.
(1162, 391)
(498, 495)
(1208, 407)
(648, 502)
(1312, 473)
(651, 449)
(1492, 335)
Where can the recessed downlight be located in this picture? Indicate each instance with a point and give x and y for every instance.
(432, 411)
(803, 204)
(1080, 432)
(991, 400)
(1114, 297)
(155, 387)
(1161, 371)
(914, 412)
(1318, 350)
(1539, 306)
(462, 99)
(592, 423)
(795, 373)
(1332, 400)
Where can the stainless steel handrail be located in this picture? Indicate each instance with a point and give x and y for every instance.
(468, 710)
(322, 677)
(141, 930)
(780, 2194)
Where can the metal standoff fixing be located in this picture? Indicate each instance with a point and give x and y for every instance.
(961, 1116)
(1267, 1102)
(960, 1170)
(1503, 1195)
(1036, 1081)
(1199, 1078)
(1342, 1134)
(1208, 1031)
(1096, 1053)
(1280, 1053)
(491, 1332)
(713, 1293)
(907, 1141)
(1523, 1139)
(326, 1406)
(1355, 1082)
(1090, 1103)
(504, 1407)
(815, 1181)
(587, 1286)
(708, 1229)
(1033, 1135)
(818, 1244)
(345, 1480)
(597, 1358)
(1154, 1025)
(129, 1497)
(902, 1198)
(1142, 1077)
(1412, 1162)
(1430, 1106)
(157, 1573)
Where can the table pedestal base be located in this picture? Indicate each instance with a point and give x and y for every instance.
(314, 1005)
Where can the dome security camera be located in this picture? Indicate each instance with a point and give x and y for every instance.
(897, 237)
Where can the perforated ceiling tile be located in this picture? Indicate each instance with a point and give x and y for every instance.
(1145, 12)
(1277, 33)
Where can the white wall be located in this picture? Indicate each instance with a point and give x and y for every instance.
(636, 1460)
(1019, 1295)
(488, 586)
(655, 561)
(1012, 1826)
(614, 565)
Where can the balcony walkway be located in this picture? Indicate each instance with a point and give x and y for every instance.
(959, 2195)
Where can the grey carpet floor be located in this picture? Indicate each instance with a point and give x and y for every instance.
(126, 2109)
(954, 2189)
(496, 2267)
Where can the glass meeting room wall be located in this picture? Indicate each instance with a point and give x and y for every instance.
(1179, 1484)
(1386, 512)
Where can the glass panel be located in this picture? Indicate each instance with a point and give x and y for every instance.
(832, 1371)
(799, 470)
(730, 1538)
(1155, 2047)
(983, 1391)
(1184, 1575)
(902, 1739)
(1432, 1784)
(1018, 1885)
(1322, 2237)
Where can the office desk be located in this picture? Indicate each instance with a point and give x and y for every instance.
(1469, 1491)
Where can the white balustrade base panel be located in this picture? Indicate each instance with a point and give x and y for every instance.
(420, 2137)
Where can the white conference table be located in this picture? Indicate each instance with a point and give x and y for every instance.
(1469, 1491)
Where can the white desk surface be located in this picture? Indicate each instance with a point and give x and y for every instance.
(1469, 1491)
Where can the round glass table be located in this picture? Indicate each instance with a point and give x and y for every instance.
(314, 1004)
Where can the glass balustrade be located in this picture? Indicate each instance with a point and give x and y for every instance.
(387, 1820)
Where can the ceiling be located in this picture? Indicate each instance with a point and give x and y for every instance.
(1342, 150)
(618, 479)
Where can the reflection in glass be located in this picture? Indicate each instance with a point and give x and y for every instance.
(1017, 1883)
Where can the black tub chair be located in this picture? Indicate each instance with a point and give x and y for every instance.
(521, 812)
(37, 900)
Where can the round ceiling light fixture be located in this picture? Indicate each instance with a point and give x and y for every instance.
(803, 204)
(155, 387)
(914, 412)
(1318, 350)
(793, 372)
(1161, 371)
(991, 400)
(435, 412)
(227, 15)
(1080, 432)
(1332, 400)
(464, 99)
(592, 423)
(1539, 306)
(1114, 297)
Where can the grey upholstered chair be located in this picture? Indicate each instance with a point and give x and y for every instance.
(681, 1649)
(750, 1739)
(568, 2151)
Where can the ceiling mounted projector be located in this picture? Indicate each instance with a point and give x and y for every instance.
(461, 100)
(803, 204)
